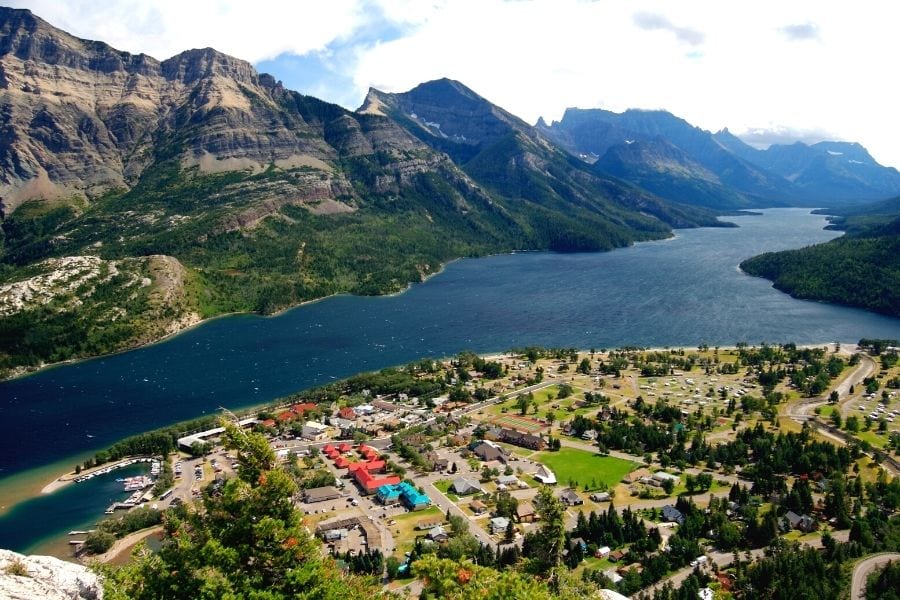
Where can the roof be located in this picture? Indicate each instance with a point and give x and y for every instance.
(405, 491)
(662, 475)
(508, 479)
(322, 493)
(545, 475)
(371, 482)
(316, 425)
(461, 485)
(670, 513)
(499, 523)
(524, 509)
(487, 451)
(611, 595)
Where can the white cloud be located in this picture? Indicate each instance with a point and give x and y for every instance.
(252, 30)
(746, 65)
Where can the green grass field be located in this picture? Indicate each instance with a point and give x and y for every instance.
(585, 468)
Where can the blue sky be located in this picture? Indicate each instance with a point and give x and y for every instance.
(770, 71)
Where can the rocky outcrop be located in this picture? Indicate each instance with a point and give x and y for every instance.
(79, 117)
(45, 577)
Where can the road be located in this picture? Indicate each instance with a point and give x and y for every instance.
(724, 559)
(800, 410)
(863, 569)
(446, 505)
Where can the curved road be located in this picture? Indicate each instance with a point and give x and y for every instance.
(862, 571)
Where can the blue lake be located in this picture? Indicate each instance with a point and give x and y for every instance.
(679, 292)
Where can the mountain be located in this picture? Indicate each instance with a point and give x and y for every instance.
(733, 174)
(824, 172)
(139, 196)
(664, 169)
(703, 172)
(861, 268)
(514, 160)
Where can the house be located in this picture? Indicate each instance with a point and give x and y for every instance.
(429, 524)
(706, 594)
(525, 512)
(570, 498)
(612, 576)
(364, 409)
(670, 514)
(346, 426)
(315, 431)
(602, 552)
(302, 409)
(636, 475)
(792, 520)
(545, 475)
(341, 462)
(345, 447)
(499, 525)
(616, 556)
(478, 507)
(437, 534)
(463, 487)
(347, 413)
(601, 497)
(508, 480)
(488, 451)
(321, 494)
(662, 476)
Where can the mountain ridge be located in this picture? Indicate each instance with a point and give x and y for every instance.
(796, 174)
(256, 196)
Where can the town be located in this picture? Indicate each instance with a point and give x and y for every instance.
(665, 463)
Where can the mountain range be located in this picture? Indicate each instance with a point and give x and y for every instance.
(139, 196)
(669, 157)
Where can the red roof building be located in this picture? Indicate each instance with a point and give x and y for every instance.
(268, 423)
(286, 416)
(345, 447)
(370, 483)
(347, 413)
(328, 448)
(300, 409)
(341, 463)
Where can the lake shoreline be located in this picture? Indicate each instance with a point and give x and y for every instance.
(23, 372)
(63, 480)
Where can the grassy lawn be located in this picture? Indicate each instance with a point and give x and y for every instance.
(585, 467)
(443, 486)
(877, 441)
(825, 411)
(404, 530)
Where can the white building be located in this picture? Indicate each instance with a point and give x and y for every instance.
(545, 475)
(315, 431)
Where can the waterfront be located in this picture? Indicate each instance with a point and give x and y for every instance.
(680, 292)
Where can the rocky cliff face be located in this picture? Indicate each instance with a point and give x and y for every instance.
(45, 577)
(79, 117)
